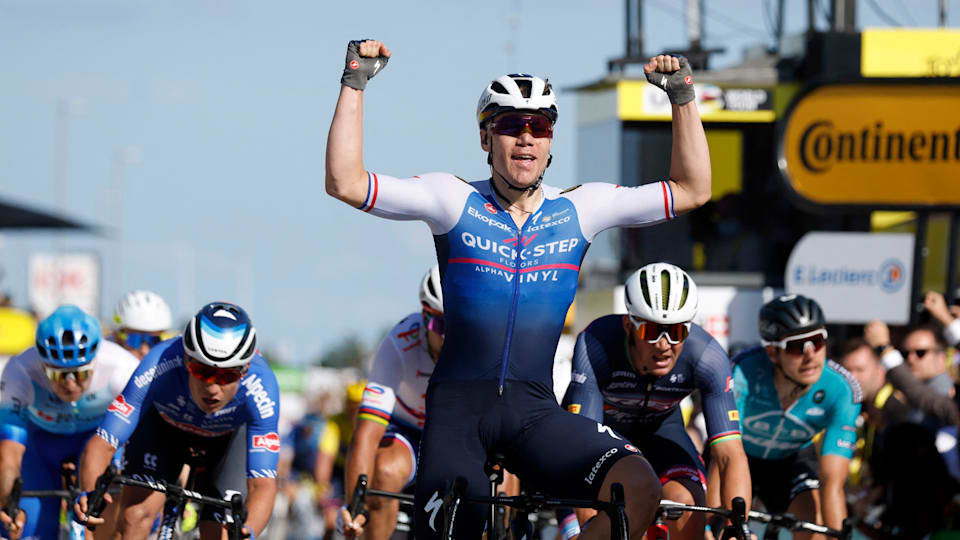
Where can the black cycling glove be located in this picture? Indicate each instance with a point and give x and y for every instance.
(678, 85)
(358, 69)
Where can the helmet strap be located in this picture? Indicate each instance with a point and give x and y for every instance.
(494, 173)
(799, 387)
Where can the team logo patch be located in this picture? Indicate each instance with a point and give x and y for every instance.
(733, 415)
(120, 406)
(490, 208)
(574, 408)
(818, 396)
(631, 448)
(354, 64)
(269, 442)
(688, 79)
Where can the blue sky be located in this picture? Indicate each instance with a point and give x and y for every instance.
(218, 111)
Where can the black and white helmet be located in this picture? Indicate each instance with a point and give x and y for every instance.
(661, 293)
(431, 293)
(517, 91)
(789, 315)
(220, 335)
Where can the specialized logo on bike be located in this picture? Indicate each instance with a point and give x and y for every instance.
(433, 508)
(262, 400)
(269, 442)
(120, 406)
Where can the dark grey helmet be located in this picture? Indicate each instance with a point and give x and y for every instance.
(789, 315)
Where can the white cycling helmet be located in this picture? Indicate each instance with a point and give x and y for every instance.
(661, 293)
(431, 293)
(517, 91)
(144, 311)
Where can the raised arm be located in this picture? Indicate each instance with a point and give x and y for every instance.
(690, 175)
(346, 176)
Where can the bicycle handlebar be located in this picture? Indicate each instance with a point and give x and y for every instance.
(13, 500)
(96, 503)
(791, 523)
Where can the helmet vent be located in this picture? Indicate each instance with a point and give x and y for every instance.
(686, 290)
(526, 86)
(498, 88)
(665, 288)
(67, 337)
(644, 289)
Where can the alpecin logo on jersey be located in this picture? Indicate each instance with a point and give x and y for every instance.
(269, 442)
(121, 407)
(262, 400)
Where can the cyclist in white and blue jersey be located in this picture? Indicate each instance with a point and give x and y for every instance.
(205, 398)
(509, 250)
(52, 398)
(788, 391)
(386, 440)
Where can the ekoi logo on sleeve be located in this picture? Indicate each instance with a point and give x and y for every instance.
(121, 407)
(269, 442)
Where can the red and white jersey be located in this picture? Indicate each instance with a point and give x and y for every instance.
(397, 388)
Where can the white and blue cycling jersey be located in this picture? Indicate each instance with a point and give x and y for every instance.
(161, 382)
(27, 399)
(506, 289)
(769, 432)
(52, 430)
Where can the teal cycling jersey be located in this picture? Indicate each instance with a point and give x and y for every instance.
(832, 405)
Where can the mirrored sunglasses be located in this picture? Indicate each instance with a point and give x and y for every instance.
(134, 340)
(515, 124)
(214, 375)
(798, 344)
(61, 375)
(651, 332)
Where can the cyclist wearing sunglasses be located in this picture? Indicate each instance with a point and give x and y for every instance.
(206, 398)
(52, 398)
(142, 318)
(630, 372)
(390, 421)
(509, 250)
(787, 392)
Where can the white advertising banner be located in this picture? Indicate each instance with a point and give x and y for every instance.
(64, 278)
(855, 277)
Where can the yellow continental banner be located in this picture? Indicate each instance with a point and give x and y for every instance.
(17, 331)
(869, 144)
(638, 100)
(910, 53)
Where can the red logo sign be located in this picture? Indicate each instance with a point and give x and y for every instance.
(354, 64)
(490, 208)
(688, 80)
(631, 447)
(120, 406)
(270, 441)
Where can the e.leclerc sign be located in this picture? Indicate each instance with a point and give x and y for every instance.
(855, 277)
(891, 145)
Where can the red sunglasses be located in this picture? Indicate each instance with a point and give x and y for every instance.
(215, 375)
(515, 124)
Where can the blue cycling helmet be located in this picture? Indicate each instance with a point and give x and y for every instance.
(68, 338)
(221, 334)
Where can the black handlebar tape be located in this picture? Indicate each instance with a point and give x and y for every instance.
(13, 500)
(359, 501)
(239, 515)
(96, 503)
